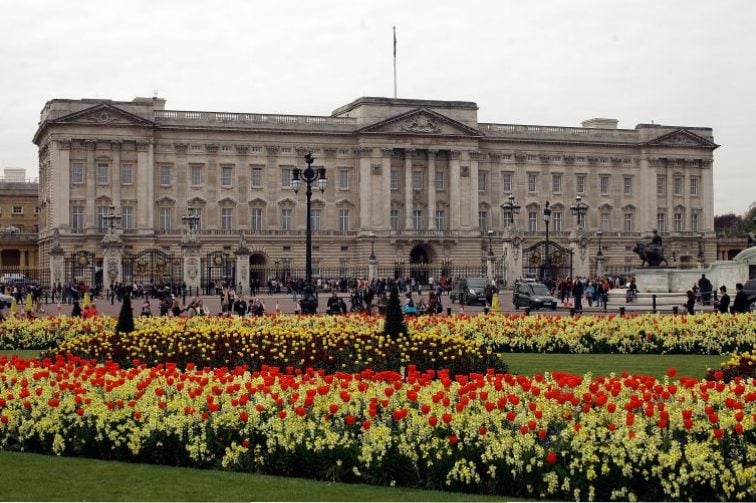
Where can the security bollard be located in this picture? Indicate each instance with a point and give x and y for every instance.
(622, 310)
(572, 311)
(448, 311)
(675, 310)
(653, 303)
(527, 311)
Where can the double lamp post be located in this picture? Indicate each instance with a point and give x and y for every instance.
(310, 176)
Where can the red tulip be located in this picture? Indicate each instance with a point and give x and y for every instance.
(551, 457)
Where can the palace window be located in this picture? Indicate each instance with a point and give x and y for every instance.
(196, 176)
(77, 218)
(580, 184)
(440, 179)
(227, 173)
(556, 184)
(103, 172)
(627, 184)
(394, 179)
(227, 219)
(679, 222)
(127, 217)
(196, 212)
(629, 227)
(661, 185)
(604, 181)
(256, 219)
(417, 220)
(532, 182)
(417, 180)
(285, 219)
(440, 220)
(482, 181)
(394, 220)
(127, 173)
(102, 223)
(257, 177)
(678, 185)
(165, 175)
(532, 221)
(694, 186)
(604, 222)
(77, 173)
(694, 222)
(661, 222)
(343, 220)
(483, 220)
(506, 182)
(343, 179)
(286, 177)
(165, 219)
(556, 218)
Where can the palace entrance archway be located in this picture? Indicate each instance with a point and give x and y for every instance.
(421, 259)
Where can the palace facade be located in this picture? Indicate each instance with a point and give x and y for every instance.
(424, 177)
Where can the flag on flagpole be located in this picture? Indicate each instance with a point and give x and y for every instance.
(394, 41)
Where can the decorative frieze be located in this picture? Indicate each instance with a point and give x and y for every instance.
(455, 154)
(329, 151)
(143, 145)
(64, 144)
(363, 152)
(242, 149)
(211, 148)
(273, 149)
(387, 151)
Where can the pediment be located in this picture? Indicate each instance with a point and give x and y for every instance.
(421, 121)
(104, 114)
(682, 138)
(196, 201)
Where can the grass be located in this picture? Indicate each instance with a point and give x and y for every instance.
(531, 363)
(79, 479)
(24, 353)
(655, 365)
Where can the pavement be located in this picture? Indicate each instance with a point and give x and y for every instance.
(285, 304)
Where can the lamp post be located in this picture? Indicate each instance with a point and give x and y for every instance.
(191, 221)
(511, 208)
(599, 256)
(579, 209)
(547, 260)
(701, 255)
(600, 253)
(309, 176)
(372, 247)
(373, 262)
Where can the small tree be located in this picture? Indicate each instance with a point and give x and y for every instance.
(394, 318)
(125, 323)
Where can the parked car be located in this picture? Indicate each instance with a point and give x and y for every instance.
(469, 291)
(5, 300)
(21, 283)
(749, 288)
(533, 295)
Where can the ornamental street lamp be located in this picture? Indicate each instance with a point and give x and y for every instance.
(309, 176)
(701, 255)
(579, 209)
(191, 220)
(511, 208)
(372, 246)
(490, 243)
(547, 261)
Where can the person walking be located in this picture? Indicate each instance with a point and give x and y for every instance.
(691, 302)
(740, 303)
(723, 304)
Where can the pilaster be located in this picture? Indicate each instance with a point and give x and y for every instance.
(432, 189)
(385, 216)
(91, 186)
(366, 198)
(474, 195)
(60, 198)
(454, 192)
(408, 153)
(115, 174)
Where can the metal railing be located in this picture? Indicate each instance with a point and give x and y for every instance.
(180, 115)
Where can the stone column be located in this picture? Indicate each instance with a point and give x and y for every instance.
(90, 180)
(385, 217)
(490, 268)
(60, 198)
(432, 189)
(145, 176)
(192, 264)
(686, 199)
(115, 178)
(372, 269)
(365, 201)
(454, 193)
(474, 208)
(581, 263)
(512, 252)
(706, 195)
(600, 259)
(408, 153)
(646, 210)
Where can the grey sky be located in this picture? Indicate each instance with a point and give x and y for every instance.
(686, 62)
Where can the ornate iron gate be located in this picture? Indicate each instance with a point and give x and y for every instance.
(152, 267)
(83, 268)
(218, 268)
(534, 261)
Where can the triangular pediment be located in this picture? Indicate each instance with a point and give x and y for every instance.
(104, 114)
(421, 121)
(682, 138)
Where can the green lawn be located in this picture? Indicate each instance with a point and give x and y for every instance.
(531, 363)
(35, 477)
(26, 353)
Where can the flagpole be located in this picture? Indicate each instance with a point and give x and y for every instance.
(394, 61)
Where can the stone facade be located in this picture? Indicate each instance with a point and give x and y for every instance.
(18, 222)
(425, 176)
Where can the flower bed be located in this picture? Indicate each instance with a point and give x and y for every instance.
(347, 343)
(559, 436)
(739, 365)
(45, 333)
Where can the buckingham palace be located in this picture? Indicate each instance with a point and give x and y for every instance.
(130, 191)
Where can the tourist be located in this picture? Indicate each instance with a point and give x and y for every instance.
(76, 311)
(723, 304)
(691, 302)
(740, 303)
(705, 287)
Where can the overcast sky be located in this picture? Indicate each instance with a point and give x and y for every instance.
(686, 62)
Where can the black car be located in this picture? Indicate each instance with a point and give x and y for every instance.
(749, 288)
(533, 295)
(469, 291)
